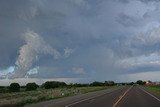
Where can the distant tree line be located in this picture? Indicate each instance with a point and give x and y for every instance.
(15, 87)
(140, 82)
(53, 84)
(95, 83)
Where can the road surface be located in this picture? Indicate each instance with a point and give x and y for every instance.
(129, 96)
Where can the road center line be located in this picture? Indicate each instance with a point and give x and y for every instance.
(88, 99)
(121, 97)
(150, 94)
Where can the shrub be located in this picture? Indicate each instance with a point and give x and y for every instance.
(54, 84)
(109, 83)
(78, 85)
(14, 87)
(31, 86)
(48, 85)
(140, 82)
(97, 84)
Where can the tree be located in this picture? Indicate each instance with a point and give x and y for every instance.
(47, 85)
(54, 84)
(131, 83)
(140, 82)
(14, 87)
(31, 86)
(96, 83)
(109, 83)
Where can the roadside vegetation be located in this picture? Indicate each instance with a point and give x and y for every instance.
(154, 89)
(17, 96)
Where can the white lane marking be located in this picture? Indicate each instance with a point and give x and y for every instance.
(150, 94)
(81, 101)
(88, 99)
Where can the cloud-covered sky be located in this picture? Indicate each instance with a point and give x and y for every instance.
(79, 40)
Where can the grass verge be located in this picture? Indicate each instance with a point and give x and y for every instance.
(154, 89)
(19, 99)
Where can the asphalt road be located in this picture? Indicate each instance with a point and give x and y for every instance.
(138, 97)
(129, 96)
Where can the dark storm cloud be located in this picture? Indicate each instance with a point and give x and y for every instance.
(147, 1)
(10, 29)
(93, 38)
(123, 1)
(128, 21)
(144, 1)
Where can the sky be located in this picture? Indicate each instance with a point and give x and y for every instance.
(79, 40)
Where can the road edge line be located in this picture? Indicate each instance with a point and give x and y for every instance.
(115, 104)
(151, 95)
(88, 98)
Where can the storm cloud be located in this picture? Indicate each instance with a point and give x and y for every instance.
(87, 39)
(29, 53)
